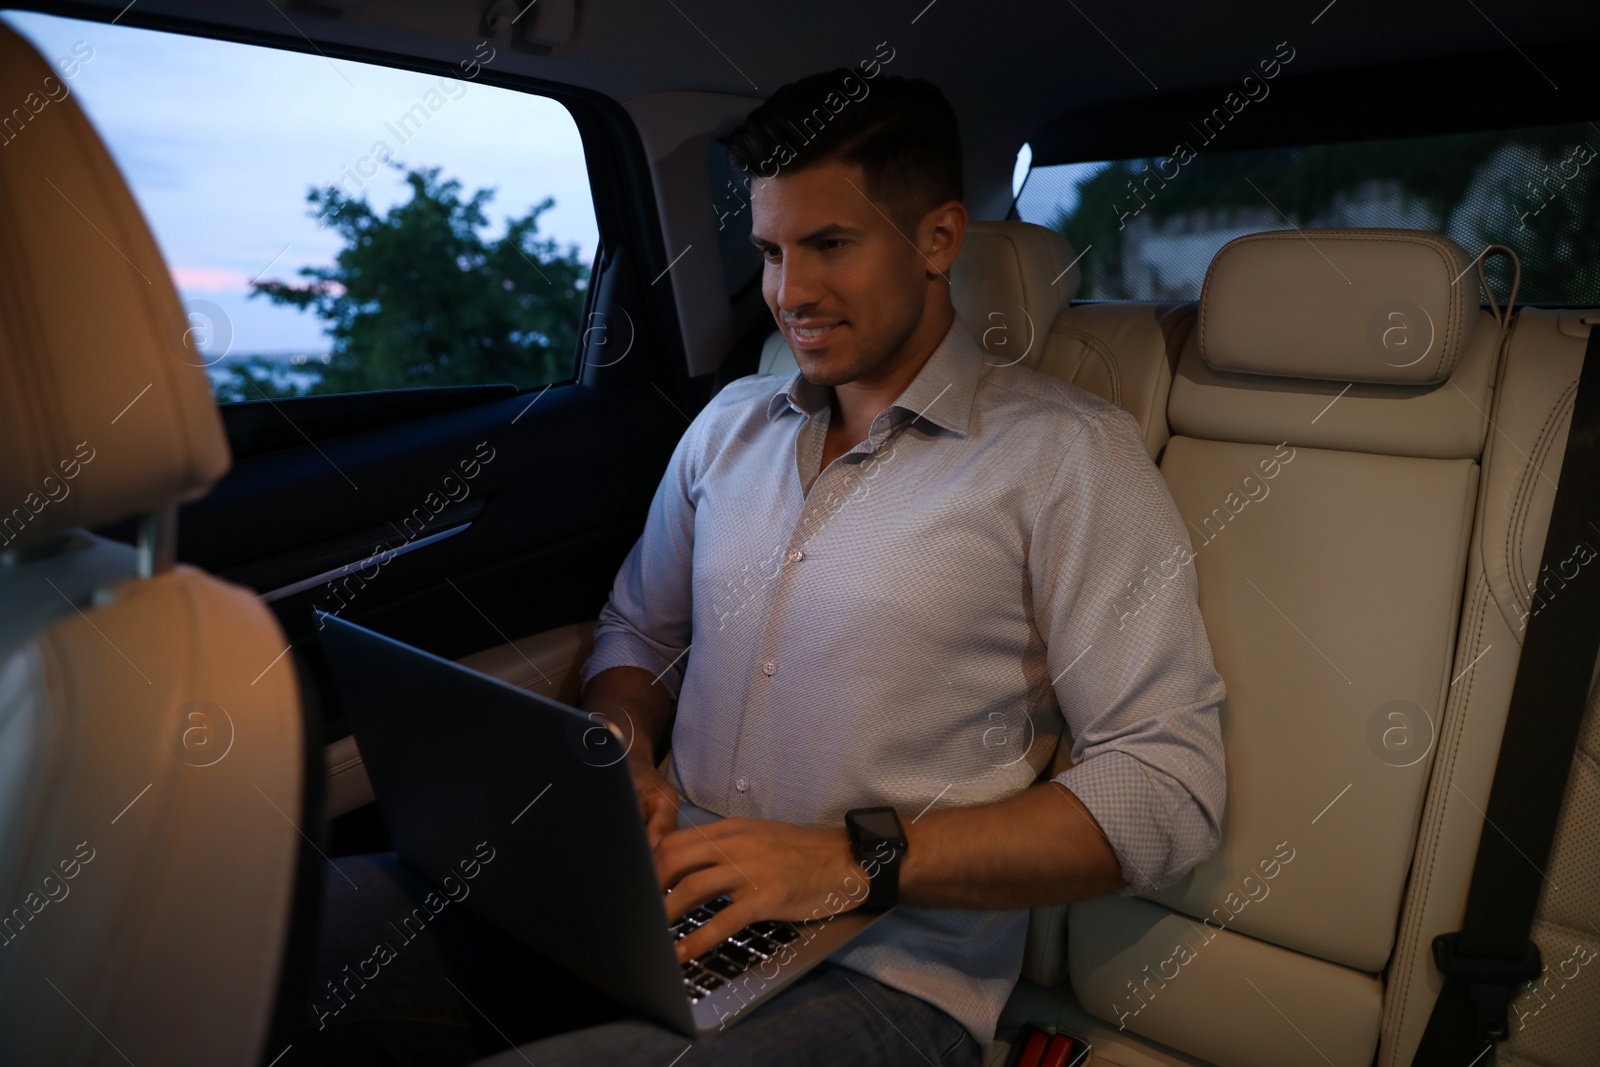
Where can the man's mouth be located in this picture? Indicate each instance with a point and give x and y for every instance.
(812, 335)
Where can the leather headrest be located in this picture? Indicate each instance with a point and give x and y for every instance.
(105, 410)
(1009, 282)
(1376, 306)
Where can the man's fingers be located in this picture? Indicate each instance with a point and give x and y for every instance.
(682, 855)
(697, 888)
(663, 821)
(658, 805)
(658, 824)
(725, 923)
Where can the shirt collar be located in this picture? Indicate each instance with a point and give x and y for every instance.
(941, 392)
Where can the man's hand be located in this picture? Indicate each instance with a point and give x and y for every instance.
(658, 801)
(633, 700)
(772, 870)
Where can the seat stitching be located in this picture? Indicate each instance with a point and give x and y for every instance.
(1541, 446)
(1050, 251)
(1540, 451)
(1413, 926)
(1516, 527)
(1104, 352)
(1022, 276)
(1408, 949)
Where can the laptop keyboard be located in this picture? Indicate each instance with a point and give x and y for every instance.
(754, 944)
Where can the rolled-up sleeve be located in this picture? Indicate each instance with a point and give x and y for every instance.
(648, 618)
(1112, 575)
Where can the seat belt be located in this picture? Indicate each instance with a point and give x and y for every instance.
(1492, 954)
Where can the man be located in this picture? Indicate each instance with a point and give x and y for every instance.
(881, 581)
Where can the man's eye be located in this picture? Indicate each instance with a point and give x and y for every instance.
(771, 255)
(832, 243)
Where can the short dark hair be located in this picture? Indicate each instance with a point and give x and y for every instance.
(900, 131)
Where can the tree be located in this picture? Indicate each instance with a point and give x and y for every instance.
(243, 378)
(1551, 216)
(420, 297)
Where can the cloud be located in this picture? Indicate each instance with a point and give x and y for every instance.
(210, 280)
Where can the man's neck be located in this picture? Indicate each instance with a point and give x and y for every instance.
(855, 404)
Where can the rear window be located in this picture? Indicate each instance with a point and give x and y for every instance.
(1148, 228)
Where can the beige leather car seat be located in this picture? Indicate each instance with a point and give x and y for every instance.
(1125, 352)
(1328, 413)
(1555, 1022)
(151, 743)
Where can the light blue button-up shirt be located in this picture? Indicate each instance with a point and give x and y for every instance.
(907, 627)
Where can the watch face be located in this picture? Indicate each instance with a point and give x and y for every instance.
(879, 824)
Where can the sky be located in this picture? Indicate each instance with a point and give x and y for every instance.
(220, 143)
(1050, 191)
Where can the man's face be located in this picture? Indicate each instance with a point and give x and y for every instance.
(845, 278)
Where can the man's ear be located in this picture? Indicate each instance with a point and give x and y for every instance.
(941, 233)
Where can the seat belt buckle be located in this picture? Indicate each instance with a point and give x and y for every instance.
(1491, 983)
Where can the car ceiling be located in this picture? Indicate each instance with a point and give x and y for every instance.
(1010, 67)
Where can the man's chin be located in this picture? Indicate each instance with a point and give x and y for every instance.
(821, 366)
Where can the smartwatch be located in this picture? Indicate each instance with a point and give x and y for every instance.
(878, 844)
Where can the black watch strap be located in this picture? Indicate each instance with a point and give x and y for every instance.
(883, 885)
(878, 844)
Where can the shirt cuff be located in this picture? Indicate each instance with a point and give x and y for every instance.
(1153, 824)
(619, 648)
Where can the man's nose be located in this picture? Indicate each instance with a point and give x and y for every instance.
(798, 287)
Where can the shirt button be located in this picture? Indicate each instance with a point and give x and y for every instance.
(769, 668)
(741, 783)
(796, 556)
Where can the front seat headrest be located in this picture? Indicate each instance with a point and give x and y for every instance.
(1376, 306)
(105, 408)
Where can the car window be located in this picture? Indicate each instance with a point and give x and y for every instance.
(1147, 229)
(730, 206)
(335, 226)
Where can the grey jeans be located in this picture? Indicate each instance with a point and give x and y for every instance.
(456, 991)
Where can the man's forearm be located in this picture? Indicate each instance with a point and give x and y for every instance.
(639, 706)
(1037, 848)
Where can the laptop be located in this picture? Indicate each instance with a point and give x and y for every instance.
(523, 809)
